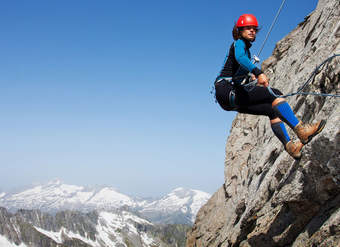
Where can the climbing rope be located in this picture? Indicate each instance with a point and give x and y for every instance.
(298, 92)
(257, 60)
(270, 29)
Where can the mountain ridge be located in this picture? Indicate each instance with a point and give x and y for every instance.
(28, 228)
(55, 196)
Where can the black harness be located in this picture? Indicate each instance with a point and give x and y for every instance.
(231, 97)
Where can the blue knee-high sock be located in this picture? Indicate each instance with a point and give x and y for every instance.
(286, 114)
(280, 131)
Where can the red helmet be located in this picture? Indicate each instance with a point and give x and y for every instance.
(247, 20)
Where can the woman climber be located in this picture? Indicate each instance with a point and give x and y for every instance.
(242, 87)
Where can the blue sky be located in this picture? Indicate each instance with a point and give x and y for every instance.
(117, 92)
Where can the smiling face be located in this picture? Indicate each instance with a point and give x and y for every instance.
(249, 33)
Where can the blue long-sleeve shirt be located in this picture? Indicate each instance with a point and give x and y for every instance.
(238, 61)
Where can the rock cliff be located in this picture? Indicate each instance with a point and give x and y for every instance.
(269, 199)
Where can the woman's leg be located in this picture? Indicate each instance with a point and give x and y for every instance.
(285, 112)
(280, 130)
(277, 125)
(259, 102)
(305, 132)
(260, 95)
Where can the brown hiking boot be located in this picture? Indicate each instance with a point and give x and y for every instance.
(294, 149)
(306, 132)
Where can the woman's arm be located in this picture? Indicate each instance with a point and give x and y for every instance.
(242, 58)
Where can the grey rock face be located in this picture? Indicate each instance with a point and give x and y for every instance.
(268, 198)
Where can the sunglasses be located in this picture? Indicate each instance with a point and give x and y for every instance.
(251, 27)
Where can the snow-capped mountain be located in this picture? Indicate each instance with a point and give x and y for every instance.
(179, 206)
(109, 228)
(56, 196)
(73, 229)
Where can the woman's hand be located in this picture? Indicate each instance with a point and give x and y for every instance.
(262, 79)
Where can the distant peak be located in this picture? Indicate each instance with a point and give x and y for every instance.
(181, 192)
(55, 181)
(179, 189)
(185, 192)
(109, 188)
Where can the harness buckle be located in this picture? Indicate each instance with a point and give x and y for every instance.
(256, 59)
(232, 102)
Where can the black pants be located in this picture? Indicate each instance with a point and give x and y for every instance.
(256, 100)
